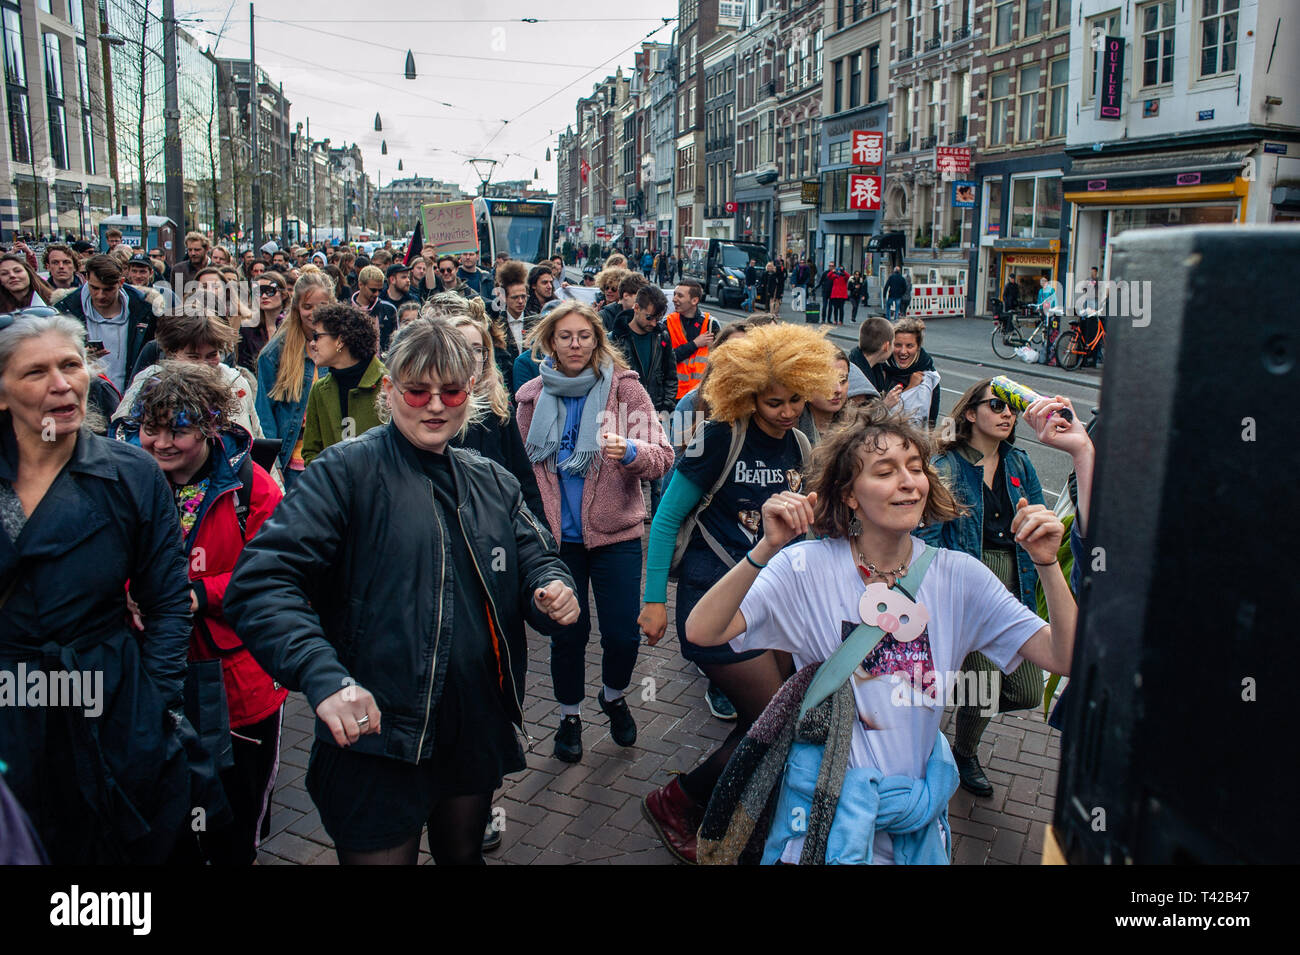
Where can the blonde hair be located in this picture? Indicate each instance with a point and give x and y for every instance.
(451, 308)
(794, 356)
(431, 347)
(616, 260)
(611, 276)
(541, 339)
(371, 273)
(293, 351)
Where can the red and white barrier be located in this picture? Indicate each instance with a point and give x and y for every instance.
(930, 300)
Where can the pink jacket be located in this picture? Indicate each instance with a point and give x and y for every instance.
(612, 507)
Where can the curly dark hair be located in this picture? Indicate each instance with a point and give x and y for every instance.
(836, 464)
(182, 394)
(511, 273)
(356, 330)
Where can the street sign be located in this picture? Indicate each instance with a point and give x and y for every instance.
(864, 192)
(620, 205)
(868, 148)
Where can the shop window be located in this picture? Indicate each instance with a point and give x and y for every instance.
(993, 206)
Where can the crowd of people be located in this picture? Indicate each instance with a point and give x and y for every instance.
(360, 478)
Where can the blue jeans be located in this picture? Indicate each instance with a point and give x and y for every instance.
(893, 307)
(749, 296)
(614, 574)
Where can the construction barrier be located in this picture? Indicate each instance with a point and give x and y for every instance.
(928, 300)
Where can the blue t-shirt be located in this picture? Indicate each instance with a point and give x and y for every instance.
(766, 466)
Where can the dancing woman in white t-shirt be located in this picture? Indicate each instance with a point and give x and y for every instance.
(870, 484)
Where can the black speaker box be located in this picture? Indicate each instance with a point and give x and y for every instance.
(1181, 730)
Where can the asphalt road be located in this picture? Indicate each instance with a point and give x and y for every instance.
(963, 355)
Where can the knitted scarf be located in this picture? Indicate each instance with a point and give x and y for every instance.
(549, 416)
(739, 813)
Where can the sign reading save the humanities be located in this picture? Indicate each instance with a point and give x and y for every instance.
(449, 227)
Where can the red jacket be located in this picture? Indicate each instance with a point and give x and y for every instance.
(212, 549)
(840, 284)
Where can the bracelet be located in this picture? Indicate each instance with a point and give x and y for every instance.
(754, 562)
(1048, 564)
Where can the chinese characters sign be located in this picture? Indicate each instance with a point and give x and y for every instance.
(868, 148)
(864, 192)
(449, 227)
(952, 161)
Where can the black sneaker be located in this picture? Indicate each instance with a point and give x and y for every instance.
(491, 838)
(621, 725)
(568, 739)
(972, 775)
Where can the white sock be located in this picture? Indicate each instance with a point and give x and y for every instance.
(612, 694)
(570, 709)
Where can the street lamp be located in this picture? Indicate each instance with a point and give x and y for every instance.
(484, 178)
(80, 195)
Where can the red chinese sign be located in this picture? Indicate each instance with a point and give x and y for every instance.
(868, 148)
(952, 159)
(864, 192)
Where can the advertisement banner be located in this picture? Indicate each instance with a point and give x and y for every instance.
(952, 160)
(963, 194)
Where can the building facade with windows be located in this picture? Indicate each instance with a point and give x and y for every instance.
(663, 145)
(798, 126)
(1021, 70)
(1197, 123)
(855, 89)
(699, 22)
(55, 164)
(719, 59)
(755, 164)
(931, 88)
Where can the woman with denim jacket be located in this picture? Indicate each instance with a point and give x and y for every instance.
(989, 475)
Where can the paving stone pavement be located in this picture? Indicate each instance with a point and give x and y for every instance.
(590, 812)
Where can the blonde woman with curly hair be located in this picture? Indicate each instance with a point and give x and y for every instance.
(496, 436)
(747, 451)
(592, 435)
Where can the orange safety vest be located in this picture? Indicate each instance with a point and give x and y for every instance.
(690, 371)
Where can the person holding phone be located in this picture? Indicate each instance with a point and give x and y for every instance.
(118, 323)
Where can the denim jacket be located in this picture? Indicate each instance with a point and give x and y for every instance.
(966, 533)
(281, 419)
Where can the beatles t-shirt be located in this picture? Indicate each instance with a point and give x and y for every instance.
(806, 601)
(766, 466)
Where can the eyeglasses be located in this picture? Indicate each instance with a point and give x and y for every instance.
(419, 397)
(317, 336)
(996, 405)
(584, 338)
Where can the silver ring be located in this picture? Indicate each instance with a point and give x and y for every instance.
(363, 719)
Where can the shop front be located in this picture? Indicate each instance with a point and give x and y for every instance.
(1172, 190)
(1025, 265)
(853, 147)
(798, 228)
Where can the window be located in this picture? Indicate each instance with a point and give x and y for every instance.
(1033, 18)
(1036, 207)
(1058, 83)
(873, 73)
(1218, 36)
(1107, 25)
(999, 108)
(839, 13)
(855, 80)
(16, 87)
(77, 17)
(54, 101)
(1156, 21)
(1027, 111)
(788, 155)
(1003, 16)
(1062, 13)
(993, 206)
(87, 128)
(837, 100)
(817, 56)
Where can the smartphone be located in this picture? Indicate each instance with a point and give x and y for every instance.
(96, 347)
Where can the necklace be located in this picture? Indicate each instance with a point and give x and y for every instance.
(870, 571)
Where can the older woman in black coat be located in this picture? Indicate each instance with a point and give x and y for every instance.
(392, 586)
(97, 761)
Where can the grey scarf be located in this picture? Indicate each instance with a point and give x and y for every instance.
(549, 417)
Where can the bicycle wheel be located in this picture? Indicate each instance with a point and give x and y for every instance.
(1006, 339)
(1069, 350)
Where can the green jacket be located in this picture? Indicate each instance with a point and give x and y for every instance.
(324, 425)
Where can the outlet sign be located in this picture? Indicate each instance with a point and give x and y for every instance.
(1110, 78)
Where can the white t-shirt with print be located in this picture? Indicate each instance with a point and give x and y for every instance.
(807, 600)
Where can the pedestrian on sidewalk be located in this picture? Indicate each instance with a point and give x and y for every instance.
(592, 435)
(415, 688)
(749, 450)
(751, 286)
(988, 475)
(895, 291)
(857, 292)
(839, 293)
(824, 286)
(884, 796)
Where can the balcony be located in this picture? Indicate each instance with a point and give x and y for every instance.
(961, 33)
(958, 135)
(767, 90)
(933, 43)
(929, 142)
(903, 145)
(906, 53)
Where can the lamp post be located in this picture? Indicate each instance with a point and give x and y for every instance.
(80, 195)
(479, 165)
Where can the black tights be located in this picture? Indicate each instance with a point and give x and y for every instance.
(456, 828)
(750, 685)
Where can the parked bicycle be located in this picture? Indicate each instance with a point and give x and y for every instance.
(1075, 347)
(1009, 330)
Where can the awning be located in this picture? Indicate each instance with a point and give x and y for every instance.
(1187, 176)
(887, 242)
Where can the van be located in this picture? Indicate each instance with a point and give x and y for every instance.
(719, 266)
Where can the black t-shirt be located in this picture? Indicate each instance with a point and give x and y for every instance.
(766, 466)
(998, 510)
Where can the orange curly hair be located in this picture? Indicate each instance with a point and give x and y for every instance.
(796, 357)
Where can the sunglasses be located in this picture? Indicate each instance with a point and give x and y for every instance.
(996, 405)
(266, 290)
(317, 336)
(419, 397)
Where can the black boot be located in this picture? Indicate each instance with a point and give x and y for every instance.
(972, 775)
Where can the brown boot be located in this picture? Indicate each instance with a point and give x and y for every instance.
(676, 818)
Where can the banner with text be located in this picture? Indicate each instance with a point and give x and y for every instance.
(449, 227)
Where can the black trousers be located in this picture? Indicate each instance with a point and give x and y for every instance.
(248, 784)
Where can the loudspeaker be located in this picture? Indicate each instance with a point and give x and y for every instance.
(1180, 734)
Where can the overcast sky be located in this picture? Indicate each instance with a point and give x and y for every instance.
(477, 65)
